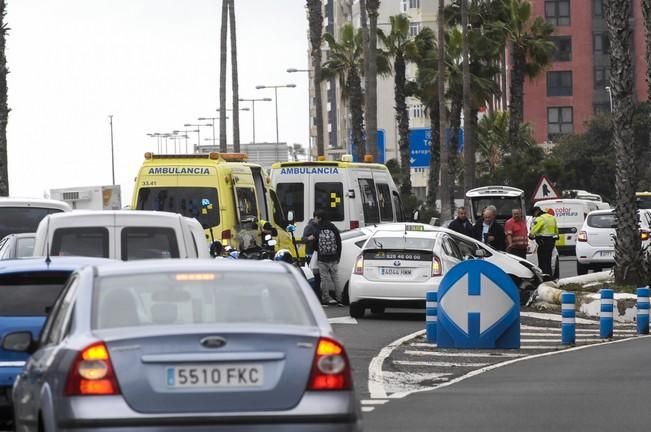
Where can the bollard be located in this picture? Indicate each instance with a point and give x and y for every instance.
(606, 314)
(431, 315)
(643, 311)
(568, 317)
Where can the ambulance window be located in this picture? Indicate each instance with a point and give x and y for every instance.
(291, 196)
(369, 201)
(384, 199)
(247, 206)
(279, 217)
(329, 197)
(200, 203)
(149, 243)
(398, 205)
(88, 242)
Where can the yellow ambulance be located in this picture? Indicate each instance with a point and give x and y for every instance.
(222, 191)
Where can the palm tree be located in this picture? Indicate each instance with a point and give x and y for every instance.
(492, 135)
(346, 61)
(315, 19)
(468, 139)
(445, 191)
(646, 11)
(235, 79)
(4, 109)
(531, 51)
(223, 146)
(401, 47)
(372, 7)
(628, 253)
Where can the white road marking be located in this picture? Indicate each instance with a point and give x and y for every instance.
(423, 345)
(552, 317)
(507, 363)
(594, 339)
(374, 401)
(342, 320)
(367, 409)
(462, 354)
(542, 347)
(438, 364)
(375, 375)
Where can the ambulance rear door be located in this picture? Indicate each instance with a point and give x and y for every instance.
(327, 192)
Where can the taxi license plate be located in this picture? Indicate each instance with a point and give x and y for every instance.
(390, 271)
(607, 253)
(197, 376)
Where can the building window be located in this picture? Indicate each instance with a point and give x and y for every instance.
(416, 111)
(601, 77)
(403, 6)
(600, 43)
(557, 12)
(563, 48)
(414, 29)
(559, 83)
(560, 121)
(598, 8)
(414, 4)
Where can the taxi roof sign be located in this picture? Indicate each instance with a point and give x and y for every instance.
(545, 190)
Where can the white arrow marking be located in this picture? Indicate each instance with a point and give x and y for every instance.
(492, 304)
(342, 320)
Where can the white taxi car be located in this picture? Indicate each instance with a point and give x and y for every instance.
(595, 246)
(400, 262)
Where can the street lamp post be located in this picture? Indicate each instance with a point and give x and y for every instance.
(253, 101)
(212, 119)
(112, 154)
(197, 130)
(276, 87)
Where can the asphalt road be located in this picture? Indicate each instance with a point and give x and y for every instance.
(601, 388)
(568, 266)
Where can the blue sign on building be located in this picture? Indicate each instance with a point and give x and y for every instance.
(380, 145)
(478, 307)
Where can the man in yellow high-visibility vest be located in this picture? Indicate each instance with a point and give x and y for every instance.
(545, 232)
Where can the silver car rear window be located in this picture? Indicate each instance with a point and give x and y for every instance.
(401, 243)
(188, 298)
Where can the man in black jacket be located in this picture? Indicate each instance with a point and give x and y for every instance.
(328, 248)
(488, 231)
(461, 224)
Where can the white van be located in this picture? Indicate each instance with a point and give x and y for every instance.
(123, 234)
(570, 214)
(353, 194)
(22, 215)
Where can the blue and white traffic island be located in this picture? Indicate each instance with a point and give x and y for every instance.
(478, 307)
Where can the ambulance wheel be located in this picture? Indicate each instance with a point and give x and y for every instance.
(357, 310)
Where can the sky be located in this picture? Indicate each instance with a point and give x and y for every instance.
(154, 66)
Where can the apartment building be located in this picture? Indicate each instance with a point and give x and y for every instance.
(576, 85)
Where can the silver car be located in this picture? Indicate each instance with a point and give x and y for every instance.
(185, 345)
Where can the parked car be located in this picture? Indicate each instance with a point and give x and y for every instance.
(399, 263)
(185, 344)
(28, 288)
(22, 215)
(123, 234)
(17, 246)
(595, 248)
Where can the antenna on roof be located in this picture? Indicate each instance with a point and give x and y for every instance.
(48, 260)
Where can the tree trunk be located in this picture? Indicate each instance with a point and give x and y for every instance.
(453, 146)
(315, 10)
(468, 136)
(516, 106)
(223, 146)
(356, 112)
(435, 159)
(446, 210)
(646, 11)
(402, 117)
(235, 79)
(504, 80)
(372, 7)
(628, 254)
(4, 108)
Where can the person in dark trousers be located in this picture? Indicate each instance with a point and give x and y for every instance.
(309, 239)
(545, 233)
(488, 231)
(461, 224)
(328, 248)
